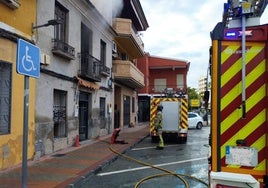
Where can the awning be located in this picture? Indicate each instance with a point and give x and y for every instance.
(87, 84)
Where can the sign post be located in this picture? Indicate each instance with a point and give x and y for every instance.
(28, 64)
(25, 131)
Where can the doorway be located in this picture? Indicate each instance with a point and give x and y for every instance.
(126, 117)
(83, 115)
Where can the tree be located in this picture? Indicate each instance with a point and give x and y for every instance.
(192, 93)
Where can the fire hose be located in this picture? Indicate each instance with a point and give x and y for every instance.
(181, 177)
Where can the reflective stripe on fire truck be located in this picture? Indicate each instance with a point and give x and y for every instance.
(232, 126)
(153, 107)
(184, 114)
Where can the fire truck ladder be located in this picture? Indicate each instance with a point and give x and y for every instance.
(233, 7)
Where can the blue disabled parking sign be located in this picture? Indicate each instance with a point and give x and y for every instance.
(28, 59)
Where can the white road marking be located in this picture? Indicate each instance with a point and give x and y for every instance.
(150, 147)
(147, 167)
(166, 146)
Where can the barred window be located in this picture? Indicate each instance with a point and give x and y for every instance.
(59, 114)
(102, 107)
(5, 97)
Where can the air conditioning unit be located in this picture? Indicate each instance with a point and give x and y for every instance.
(13, 4)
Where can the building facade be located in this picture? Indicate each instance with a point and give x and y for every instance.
(128, 46)
(88, 74)
(72, 92)
(14, 26)
(202, 85)
(162, 77)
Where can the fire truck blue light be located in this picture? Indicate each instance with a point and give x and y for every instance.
(231, 34)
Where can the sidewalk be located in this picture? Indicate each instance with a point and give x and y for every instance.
(68, 168)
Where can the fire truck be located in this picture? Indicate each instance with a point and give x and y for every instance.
(239, 103)
(174, 118)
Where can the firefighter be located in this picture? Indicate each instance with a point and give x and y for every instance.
(158, 126)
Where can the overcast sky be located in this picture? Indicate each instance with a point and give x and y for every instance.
(181, 30)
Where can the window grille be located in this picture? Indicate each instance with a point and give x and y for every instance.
(59, 114)
(5, 97)
(102, 107)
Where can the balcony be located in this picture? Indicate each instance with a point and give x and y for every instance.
(104, 70)
(128, 74)
(62, 49)
(89, 67)
(127, 38)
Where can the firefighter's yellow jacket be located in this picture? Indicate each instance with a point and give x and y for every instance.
(158, 121)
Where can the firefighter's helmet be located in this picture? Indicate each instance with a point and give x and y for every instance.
(160, 107)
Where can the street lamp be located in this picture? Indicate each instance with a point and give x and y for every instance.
(49, 22)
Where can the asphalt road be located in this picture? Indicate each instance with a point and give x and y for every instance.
(188, 159)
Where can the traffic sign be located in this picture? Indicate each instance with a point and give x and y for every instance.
(28, 59)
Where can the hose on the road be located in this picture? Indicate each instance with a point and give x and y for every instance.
(168, 172)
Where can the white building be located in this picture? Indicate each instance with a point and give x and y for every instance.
(72, 93)
(202, 85)
(77, 89)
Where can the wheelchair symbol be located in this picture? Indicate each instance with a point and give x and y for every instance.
(27, 61)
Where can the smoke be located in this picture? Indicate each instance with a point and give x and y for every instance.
(117, 6)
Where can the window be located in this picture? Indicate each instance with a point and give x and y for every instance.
(86, 39)
(5, 97)
(160, 85)
(60, 40)
(102, 107)
(125, 57)
(60, 29)
(103, 52)
(180, 81)
(59, 114)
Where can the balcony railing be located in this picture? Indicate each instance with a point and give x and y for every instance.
(104, 70)
(89, 67)
(63, 49)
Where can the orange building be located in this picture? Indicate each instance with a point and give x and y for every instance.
(162, 77)
(16, 20)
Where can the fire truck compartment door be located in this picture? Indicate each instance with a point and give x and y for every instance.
(170, 115)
